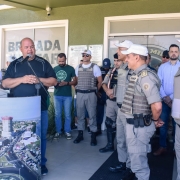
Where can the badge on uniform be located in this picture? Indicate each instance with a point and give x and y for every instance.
(144, 73)
(146, 86)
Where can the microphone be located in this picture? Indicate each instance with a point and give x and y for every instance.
(26, 58)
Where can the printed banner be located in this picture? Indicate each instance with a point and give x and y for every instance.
(20, 145)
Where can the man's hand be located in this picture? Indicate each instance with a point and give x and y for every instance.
(109, 92)
(29, 79)
(63, 83)
(158, 123)
(168, 101)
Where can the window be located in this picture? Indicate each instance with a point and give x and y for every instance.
(50, 37)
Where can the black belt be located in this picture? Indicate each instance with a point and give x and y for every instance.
(139, 122)
(85, 91)
(178, 125)
(113, 99)
(130, 120)
(119, 105)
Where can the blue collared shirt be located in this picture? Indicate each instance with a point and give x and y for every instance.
(166, 73)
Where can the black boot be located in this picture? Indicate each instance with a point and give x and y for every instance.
(93, 139)
(79, 137)
(110, 138)
(128, 175)
(118, 168)
(98, 130)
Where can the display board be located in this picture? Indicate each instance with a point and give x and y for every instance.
(20, 145)
(96, 51)
(74, 55)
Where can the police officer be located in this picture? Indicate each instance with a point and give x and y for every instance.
(101, 98)
(123, 72)
(89, 80)
(176, 116)
(142, 107)
(109, 85)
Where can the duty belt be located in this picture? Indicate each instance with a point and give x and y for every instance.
(85, 91)
(113, 99)
(119, 105)
(139, 120)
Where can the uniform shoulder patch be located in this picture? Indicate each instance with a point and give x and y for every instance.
(144, 73)
(146, 86)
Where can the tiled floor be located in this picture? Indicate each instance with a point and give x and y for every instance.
(69, 161)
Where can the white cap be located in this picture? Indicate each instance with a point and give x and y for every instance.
(86, 52)
(11, 58)
(136, 49)
(125, 44)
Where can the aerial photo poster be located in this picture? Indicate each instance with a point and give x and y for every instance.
(20, 145)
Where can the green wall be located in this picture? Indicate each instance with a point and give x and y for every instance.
(86, 22)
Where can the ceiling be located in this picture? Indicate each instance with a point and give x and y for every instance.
(36, 5)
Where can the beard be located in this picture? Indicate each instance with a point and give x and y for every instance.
(173, 58)
(62, 65)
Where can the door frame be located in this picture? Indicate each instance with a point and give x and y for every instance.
(108, 20)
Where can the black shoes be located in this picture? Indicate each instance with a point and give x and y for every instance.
(120, 167)
(79, 137)
(44, 170)
(110, 138)
(93, 139)
(128, 175)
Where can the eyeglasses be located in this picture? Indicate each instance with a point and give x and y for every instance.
(85, 55)
(167, 57)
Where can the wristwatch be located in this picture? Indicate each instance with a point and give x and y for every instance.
(154, 119)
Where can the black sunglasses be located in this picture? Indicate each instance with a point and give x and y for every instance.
(167, 57)
(87, 55)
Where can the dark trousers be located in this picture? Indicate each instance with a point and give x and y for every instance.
(165, 114)
(100, 113)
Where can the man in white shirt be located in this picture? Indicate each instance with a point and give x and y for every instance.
(89, 82)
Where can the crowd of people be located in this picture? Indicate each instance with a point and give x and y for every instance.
(138, 99)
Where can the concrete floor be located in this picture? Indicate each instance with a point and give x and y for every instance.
(67, 160)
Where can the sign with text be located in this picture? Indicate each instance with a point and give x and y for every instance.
(96, 51)
(75, 54)
(49, 42)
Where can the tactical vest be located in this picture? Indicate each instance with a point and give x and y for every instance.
(122, 83)
(113, 81)
(86, 79)
(176, 99)
(135, 101)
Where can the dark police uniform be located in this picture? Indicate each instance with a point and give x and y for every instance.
(111, 111)
(101, 101)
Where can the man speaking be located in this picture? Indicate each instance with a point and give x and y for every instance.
(20, 78)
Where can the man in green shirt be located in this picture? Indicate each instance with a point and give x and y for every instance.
(63, 95)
